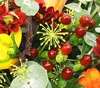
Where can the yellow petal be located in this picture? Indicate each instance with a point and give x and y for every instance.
(8, 64)
(18, 36)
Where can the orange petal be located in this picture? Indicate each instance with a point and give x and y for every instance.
(60, 5)
(49, 3)
(93, 73)
(82, 81)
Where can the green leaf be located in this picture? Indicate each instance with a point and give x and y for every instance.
(97, 29)
(74, 6)
(19, 2)
(35, 77)
(78, 86)
(71, 83)
(49, 85)
(54, 85)
(77, 15)
(85, 48)
(30, 8)
(90, 39)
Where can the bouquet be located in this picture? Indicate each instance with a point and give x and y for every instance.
(49, 44)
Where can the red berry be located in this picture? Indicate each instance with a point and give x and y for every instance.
(65, 18)
(34, 52)
(80, 31)
(47, 65)
(85, 20)
(86, 60)
(92, 23)
(66, 48)
(67, 73)
(52, 54)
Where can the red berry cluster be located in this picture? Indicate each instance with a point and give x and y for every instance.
(85, 21)
(58, 55)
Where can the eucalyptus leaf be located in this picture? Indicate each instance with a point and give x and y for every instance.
(30, 8)
(77, 15)
(90, 39)
(36, 77)
(49, 85)
(74, 6)
(97, 29)
(19, 2)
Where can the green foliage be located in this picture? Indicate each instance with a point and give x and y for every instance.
(35, 77)
(29, 7)
(90, 39)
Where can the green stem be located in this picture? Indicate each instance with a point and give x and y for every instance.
(71, 60)
(95, 11)
(90, 6)
(91, 50)
(80, 3)
(37, 59)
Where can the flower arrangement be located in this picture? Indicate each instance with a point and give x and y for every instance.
(49, 44)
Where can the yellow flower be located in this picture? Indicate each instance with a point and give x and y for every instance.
(57, 4)
(5, 60)
(91, 78)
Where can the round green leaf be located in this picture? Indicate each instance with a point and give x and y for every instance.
(36, 77)
(74, 6)
(30, 8)
(49, 85)
(90, 39)
(97, 29)
(19, 2)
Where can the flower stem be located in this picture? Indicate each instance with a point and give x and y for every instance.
(91, 50)
(71, 60)
(95, 11)
(80, 3)
(37, 58)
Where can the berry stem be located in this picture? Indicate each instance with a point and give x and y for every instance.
(90, 51)
(95, 11)
(71, 60)
(37, 58)
(80, 3)
(90, 6)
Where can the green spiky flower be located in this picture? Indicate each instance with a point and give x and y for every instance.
(20, 71)
(51, 36)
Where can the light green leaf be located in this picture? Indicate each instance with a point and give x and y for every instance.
(19, 2)
(36, 77)
(74, 6)
(49, 85)
(77, 15)
(97, 29)
(90, 39)
(30, 8)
